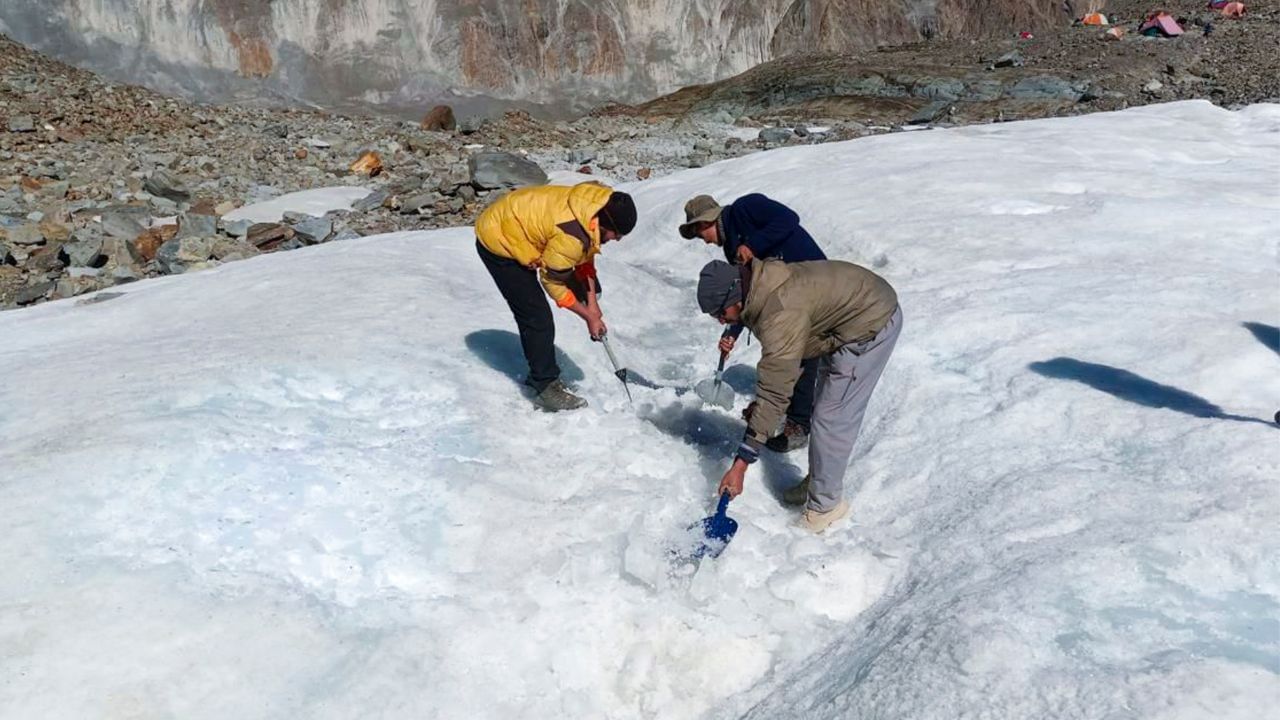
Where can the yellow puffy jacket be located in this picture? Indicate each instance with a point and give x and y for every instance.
(552, 227)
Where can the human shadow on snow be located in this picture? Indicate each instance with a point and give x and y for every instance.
(716, 435)
(501, 350)
(1268, 335)
(1134, 388)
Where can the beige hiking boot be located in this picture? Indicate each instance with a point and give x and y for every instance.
(798, 494)
(556, 398)
(816, 521)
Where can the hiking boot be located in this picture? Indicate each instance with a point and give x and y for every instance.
(556, 397)
(799, 494)
(793, 437)
(816, 521)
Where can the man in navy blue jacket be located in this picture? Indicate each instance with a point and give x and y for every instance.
(755, 226)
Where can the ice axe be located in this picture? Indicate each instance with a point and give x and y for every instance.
(715, 391)
(621, 372)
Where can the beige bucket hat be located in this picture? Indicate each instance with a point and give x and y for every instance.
(700, 209)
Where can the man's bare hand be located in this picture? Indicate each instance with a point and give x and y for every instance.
(726, 344)
(745, 255)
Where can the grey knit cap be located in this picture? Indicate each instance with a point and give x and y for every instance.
(718, 287)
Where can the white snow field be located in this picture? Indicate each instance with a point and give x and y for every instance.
(307, 485)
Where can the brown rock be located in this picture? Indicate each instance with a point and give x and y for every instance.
(146, 244)
(268, 236)
(300, 153)
(369, 164)
(30, 184)
(585, 170)
(440, 118)
(644, 173)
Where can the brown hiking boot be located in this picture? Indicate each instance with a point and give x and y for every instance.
(556, 397)
(792, 437)
(798, 494)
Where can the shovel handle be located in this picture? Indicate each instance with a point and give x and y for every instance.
(723, 507)
(720, 367)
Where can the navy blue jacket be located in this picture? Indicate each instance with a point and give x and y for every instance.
(769, 228)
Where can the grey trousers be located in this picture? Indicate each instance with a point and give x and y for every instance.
(846, 378)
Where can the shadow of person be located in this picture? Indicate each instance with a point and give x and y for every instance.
(1268, 335)
(1134, 388)
(716, 436)
(742, 378)
(501, 350)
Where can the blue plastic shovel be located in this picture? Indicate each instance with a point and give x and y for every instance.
(710, 535)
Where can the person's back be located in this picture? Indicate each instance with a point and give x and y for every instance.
(835, 302)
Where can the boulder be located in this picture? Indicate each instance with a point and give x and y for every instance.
(121, 225)
(269, 236)
(930, 113)
(231, 249)
(494, 170)
(22, 124)
(26, 234)
(775, 135)
(372, 201)
(182, 254)
(34, 293)
(440, 118)
(314, 230)
(581, 156)
(162, 183)
(1012, 58)
(84, 253)
(192, 224)
(1044, 87)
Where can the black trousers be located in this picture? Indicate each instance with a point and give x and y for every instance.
(800, 411)
(528, 302)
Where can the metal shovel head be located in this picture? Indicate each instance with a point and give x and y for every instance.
(709, 536)
(718, 394)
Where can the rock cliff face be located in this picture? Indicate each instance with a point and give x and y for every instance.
(563, 54)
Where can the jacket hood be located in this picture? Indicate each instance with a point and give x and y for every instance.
(585, 200)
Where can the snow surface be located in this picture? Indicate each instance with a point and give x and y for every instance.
(315, 202)
(306, 485)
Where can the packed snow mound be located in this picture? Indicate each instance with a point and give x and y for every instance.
(316, 202)
(307, 484)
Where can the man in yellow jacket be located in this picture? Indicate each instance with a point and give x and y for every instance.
(543, 240)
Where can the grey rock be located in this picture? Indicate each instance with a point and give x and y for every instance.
(314, 230)
(1012, 58)
(75, 285)
(24, 235)
(294, 218)
(1044, 87)
(33, 293)
(372, 201)
(237, 228)
(801, 131)
(417, 202)
(163, 184)
(581, 156)
(163, 206)
(491, 170)
(229, 250)
(262, 193)
(930, 113)
(85, 253)
(467, 193)
(940, 89)
(22, 124)
(181, 254)
(317, 143)
(609, 162)
(165, 159)
(197, 225)
(121, 225)
(346, 235)
(122, 274)
(56, 190)
(35, 216)
(775, 136)
(280, 131)
(470, 125)
(1152, 87)
(121, 252)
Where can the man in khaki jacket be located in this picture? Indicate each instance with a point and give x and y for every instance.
(839, 312)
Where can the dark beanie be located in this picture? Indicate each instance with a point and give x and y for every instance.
(619, 213)
(719, 286)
